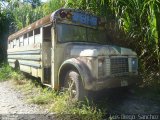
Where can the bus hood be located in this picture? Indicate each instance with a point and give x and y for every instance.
(99, 50)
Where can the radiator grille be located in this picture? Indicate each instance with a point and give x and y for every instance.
(119, 65)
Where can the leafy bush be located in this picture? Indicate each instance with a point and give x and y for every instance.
(6, 73)
(67, 109)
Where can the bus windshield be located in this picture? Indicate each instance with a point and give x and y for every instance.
(73, 33)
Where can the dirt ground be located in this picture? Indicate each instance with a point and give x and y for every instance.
(12, 102)
(113, 101)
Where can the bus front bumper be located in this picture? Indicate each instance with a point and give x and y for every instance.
(113, 82)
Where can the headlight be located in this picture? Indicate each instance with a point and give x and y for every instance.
(101, 61)
(101, 64)
(134, 62)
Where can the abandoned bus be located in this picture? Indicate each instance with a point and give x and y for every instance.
(66, 50)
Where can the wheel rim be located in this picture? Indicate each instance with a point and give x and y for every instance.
(70, 86)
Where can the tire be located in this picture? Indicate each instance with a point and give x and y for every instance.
(17, 67)
(73, 84)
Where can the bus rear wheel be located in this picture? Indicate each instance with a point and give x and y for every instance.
(73, 84)
(17, 66)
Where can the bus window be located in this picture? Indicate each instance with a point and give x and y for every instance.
(25, 39)
(11, 46)
(31, 37)
(21, 41)
(37, 35)
(14, 43)
(37, 31)
(47, 34)
(17, 42)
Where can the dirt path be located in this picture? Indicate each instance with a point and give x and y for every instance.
(12, 102)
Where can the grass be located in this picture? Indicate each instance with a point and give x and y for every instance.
(57, 102)
(5, 72)
(65, 107)
(60, 103)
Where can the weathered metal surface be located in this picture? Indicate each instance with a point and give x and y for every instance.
(25, 48)
(35, 52)
(26, 69)
(25, 57)
(114, 81)
(38, 38)
(46, 54)
(33, 71)
(82, 68)
(27, 63)
(88, 55)
(28, 56)
(92, 61)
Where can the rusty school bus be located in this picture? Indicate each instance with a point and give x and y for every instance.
(66, 50)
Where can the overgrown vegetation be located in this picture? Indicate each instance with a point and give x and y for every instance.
(131, 23)
(57, 102)
(138, 30)
(6, 72)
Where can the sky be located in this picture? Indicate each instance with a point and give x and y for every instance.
(43, 0)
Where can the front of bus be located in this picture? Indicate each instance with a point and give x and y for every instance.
(83, 41)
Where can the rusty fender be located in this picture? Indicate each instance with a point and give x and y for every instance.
(87, 79)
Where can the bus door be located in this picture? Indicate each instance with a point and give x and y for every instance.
(46, 55)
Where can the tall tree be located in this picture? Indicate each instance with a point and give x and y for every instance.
(34, 3)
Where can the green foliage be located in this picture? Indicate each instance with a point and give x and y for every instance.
(52, 5)
(68, 109)
(25, 15)
(141, 28)
(6, 73)
(45, 96)
(3, 22)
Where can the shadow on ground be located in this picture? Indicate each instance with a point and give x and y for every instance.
(124, 101)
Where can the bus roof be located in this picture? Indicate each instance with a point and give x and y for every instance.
(38, 23)
(62, 15)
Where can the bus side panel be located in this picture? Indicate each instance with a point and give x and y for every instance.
(36, 46)
(28, 57)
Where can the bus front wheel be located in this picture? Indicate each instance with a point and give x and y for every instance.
(74, 86)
